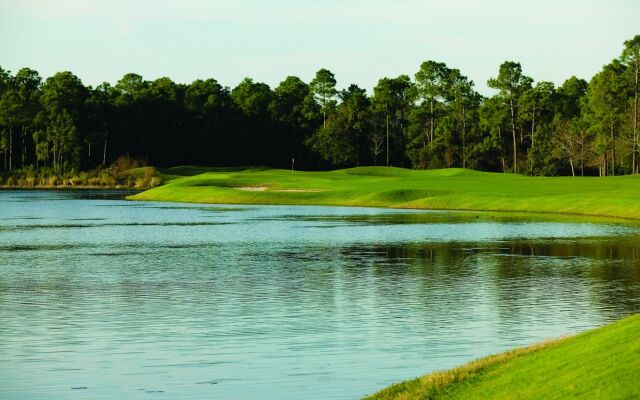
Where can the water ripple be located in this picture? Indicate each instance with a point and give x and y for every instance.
(111, 299)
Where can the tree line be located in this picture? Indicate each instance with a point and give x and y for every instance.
(435, 120)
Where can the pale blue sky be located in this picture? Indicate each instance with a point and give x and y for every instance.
(360, 40)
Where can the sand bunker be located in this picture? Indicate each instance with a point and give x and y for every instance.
(252, 188)
(299, 190)
(263, 188)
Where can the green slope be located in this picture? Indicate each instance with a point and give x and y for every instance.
(600, 364)
(403, 188)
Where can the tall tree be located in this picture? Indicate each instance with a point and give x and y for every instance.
(62, 132)
(462, 99)
(606, 101)
(132, 128)
(491, 152)
(212, 115)
(535, 106)
(323, 86)
(254, 100)
(27, 84)
(131, 85)
(511, 83)
(288, 101)
(631, 59)
(5, 78)
(571, 141)
(165, 138)
(9, 106)
(101, 114)
(63, 98)
(391, 100)
(289, 110)
(417, 136)
(430, 88)
(343, 140)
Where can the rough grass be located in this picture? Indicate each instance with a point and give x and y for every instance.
(100, 178)
(600, 364)
(453, 189)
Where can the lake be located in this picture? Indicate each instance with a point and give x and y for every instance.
(102, 298)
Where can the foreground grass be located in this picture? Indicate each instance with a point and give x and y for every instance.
(600, 364)
(452, 189)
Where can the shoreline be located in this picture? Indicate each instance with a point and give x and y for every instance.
(139, 190)
(469, 210)
(397, 188)
(553, 369)
(454, 190)
(78, 187)
(69, 187)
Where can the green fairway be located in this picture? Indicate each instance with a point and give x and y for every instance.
(450, 189)
(598, 364)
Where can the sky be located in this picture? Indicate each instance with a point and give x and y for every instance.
(360, 41)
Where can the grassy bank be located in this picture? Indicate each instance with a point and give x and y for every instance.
(103, 178)
(600, 364)
(454, 189)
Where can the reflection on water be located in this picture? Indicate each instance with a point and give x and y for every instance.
(102, 298)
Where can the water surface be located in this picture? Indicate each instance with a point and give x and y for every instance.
(102, 298)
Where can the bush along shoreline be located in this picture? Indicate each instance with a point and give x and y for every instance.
(123, 174)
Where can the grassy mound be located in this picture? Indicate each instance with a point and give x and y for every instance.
(600, 364)
(453, 189)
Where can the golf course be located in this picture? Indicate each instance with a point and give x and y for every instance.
(444, 189)
(337, 200)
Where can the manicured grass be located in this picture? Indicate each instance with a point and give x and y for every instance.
(454, 189)
(600, 364)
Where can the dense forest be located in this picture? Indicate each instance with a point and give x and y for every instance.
(434, 120)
